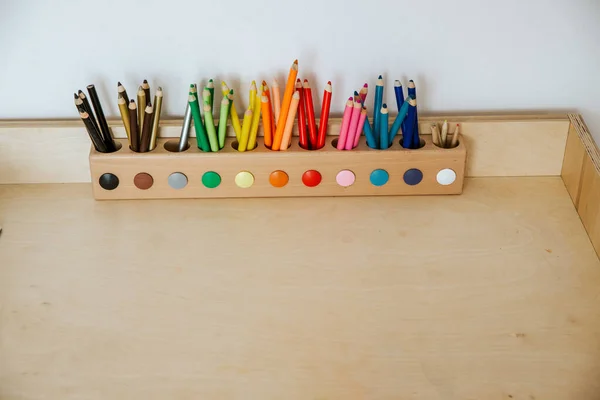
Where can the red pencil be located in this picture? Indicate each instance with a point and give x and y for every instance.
(302, 117)
(310, 112)
(324, 115)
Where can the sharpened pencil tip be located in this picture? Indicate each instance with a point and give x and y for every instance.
(145, 81)
(329, 82)
(355, 93)
(350, 98)
(296, 61)
(264, 83)
(119, 84)
(380, 77)
(384, 105)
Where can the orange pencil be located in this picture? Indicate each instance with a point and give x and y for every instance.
(276, 100)
(285, 105)
(289, 122)
(267, 92)
(266, 119)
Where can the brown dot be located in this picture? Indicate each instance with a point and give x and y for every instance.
(143, 181)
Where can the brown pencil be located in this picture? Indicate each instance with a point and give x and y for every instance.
(133, 125)
(88, 109)
(108, 140)
(93, 133)
(146, 88)
(122, 92)
(454, 141)
(147, 130)
(141, 106)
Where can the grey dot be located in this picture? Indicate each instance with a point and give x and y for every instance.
(177, 180)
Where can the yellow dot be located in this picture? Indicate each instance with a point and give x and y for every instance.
(244, 179)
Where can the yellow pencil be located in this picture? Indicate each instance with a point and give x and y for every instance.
(252, 98)
(285, 105)
(141, 96)
(289, 122)
(124, 110)
(255, 122)
(235, 119)
(158, 97)
(243, 144)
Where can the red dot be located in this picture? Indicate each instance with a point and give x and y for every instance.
(311, 178)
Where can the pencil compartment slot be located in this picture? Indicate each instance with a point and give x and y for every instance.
(167, 174)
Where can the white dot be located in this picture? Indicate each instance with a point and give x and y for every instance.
(446, 177)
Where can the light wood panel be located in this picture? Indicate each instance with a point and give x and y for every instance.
(261, 162)
(488, 295)
(572, 168)
(503, 145)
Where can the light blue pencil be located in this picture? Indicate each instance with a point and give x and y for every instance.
(384, 139)
(377, 106)
(371, 142)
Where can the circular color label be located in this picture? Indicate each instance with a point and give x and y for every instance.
(278, 178)
(379, 177)
(108, 181)
(413, 176)
(244, 179)
(177, 180)
(143, 181)
(211, 179)
(345, 178)
(311, 178)
(446, 177)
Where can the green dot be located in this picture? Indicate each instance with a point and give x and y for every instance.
(211, 179)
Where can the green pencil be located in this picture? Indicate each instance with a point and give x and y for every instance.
(210, 128)
(207, 98)
(211, 88)
(200, 132)
(223, 121)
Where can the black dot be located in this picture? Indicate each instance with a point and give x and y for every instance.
(108, 181)
(413, 176)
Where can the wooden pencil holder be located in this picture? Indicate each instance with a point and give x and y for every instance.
(162, 174)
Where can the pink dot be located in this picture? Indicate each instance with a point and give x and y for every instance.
(345, 178)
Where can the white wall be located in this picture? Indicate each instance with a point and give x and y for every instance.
(463, 54)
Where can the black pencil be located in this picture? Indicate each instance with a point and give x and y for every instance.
(133, 125)
(122, 92)
(93, 133)
(108, 140)
(88, 109)
(78, 103)
(147, 130)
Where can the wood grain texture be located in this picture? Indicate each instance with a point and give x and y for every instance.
(181, 299)
(572, 169)
(503, 145)
(261, 162)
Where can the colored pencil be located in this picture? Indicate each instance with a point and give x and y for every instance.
(371, 142)
(201, 137)
(377, 106)
(276, 100)
(345, 124)
(211, 88)
(158, 98)
(246, 124)
(106, 136)
(303, 137)
(252, 96)
(407, 139)
(146, 88)
(360, 127)
(454, 141)
(400, 118)
(285, 105)
(86, 106)
(310, 114)
(147, 131)
(122, 92)
(363, 93)
(398, 91)
(235, 119)
(412, 89)
(133, 123)
(412, 92)
(324, 120)
(435, 135)
(124, 111)
(384, 139)
(444, 135)
(353, 128)
(94, 135)
(141, 104)
(79, 104)
(185, 129)
(356, 97)
(267, 120)
(256, 106)
(206, 98)
(289, 122)
(224, 114)
(211, 131)
(272, 132)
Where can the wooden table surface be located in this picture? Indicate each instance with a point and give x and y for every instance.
(494, 294)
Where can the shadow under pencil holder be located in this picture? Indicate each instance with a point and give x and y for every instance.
(161, 174)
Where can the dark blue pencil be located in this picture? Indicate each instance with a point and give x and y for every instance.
(399, 120)
(399, 94)
(407, 137)
(371, 142)
(412, 92)
(377, 105)
(384, 138)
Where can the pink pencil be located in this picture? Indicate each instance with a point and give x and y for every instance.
(353, 125)
(345, 124)
(361, 124)
(363, 93)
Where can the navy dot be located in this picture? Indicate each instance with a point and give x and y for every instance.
(379, 177)
(413, 176)
(108, 181)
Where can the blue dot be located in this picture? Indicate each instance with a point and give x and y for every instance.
(379, 177)
(413, 176)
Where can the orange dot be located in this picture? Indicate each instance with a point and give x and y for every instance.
(278, 178)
